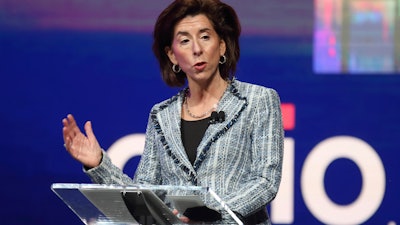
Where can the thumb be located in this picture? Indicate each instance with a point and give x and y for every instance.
(89, 132)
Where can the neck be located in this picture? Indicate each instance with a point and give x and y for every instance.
(207, 92)
(202, 101)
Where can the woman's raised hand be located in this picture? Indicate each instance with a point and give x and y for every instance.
(83, 148)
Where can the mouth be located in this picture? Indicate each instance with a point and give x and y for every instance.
(200, 66)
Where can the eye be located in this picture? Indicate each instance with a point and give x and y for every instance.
(205, 37)
(184, 41)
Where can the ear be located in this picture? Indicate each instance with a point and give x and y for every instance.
(171, 55)
(222, 47)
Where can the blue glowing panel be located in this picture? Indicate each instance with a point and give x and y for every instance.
(355, 37)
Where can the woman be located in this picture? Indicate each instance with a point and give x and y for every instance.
(237, 153)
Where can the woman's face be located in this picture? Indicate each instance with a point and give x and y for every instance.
(196, 48)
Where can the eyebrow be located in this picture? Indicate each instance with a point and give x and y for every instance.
(185, 33)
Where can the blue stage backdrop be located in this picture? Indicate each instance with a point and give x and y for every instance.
(93, 58)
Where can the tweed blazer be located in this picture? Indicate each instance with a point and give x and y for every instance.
(240, 158)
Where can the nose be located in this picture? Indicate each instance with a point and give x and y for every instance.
(197, 48)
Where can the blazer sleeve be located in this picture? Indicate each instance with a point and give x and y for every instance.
(147, 172)
(267, 155)
(108, 173)
(149, 169)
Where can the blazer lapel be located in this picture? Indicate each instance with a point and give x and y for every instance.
(232, 104)
(169, 119)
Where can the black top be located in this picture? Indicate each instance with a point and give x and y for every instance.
(192, 134)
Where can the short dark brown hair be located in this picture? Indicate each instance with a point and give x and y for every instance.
(222, 16)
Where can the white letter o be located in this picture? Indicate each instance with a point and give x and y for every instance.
(372, 172)
(125, 148)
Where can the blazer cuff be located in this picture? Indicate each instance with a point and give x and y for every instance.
(100, 173)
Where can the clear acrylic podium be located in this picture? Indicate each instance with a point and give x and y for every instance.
(97, 204)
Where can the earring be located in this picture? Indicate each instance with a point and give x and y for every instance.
(175, 69)
(222, 59)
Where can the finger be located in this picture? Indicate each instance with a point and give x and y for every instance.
(72, 124)
(89, 132)
(184, 219)
(70, 117)
(70, 131)
(65, 122)
(67, 144)
(68, 120)
(64, 129)
(67, 130)
(66, 125)
(65, 134)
